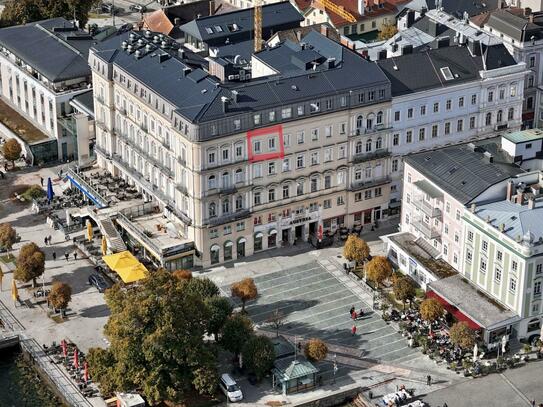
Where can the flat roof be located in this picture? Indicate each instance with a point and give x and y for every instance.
(477, 305)
(163, 238)
(524, 135)
(428, 188)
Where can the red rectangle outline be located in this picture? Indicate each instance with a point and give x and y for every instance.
(265, 131)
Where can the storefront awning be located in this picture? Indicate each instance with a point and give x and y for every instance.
(126, 266)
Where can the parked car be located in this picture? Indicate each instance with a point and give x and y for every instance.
(109, 8)
(230, 388)
(138, 8)
(99, 282)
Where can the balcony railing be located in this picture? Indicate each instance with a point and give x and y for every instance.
(219, 220)
(358, 185)
(87, 189)
(68, 123)
(430, 232)
(371, 155)
(127, 224)
(374, 130)
(427, 208)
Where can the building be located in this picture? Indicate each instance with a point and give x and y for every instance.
(522, 33)
(243, 165)
(448, 95)
(80, 125)
(43, 66)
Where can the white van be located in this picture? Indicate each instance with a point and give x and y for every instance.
(230, 388)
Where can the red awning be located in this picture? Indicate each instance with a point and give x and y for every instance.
(454, 311)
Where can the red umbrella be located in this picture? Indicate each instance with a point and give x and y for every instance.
(63, 346)
(76, 359)
(85, 371)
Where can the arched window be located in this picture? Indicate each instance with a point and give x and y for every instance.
(359, 122)
(228, 250)
(212, 210)
(499, 116)
(380, 118)
(239, 175)
(368, 145)
(488, 119)
(239, 202)
(225, 206)
(358, 148)
(511, 113)
(225, 180)
(214, 252)
(379, 143)
(211, 184)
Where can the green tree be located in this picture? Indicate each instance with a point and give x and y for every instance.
(11, 149)
(30, 263)
(315, 350)
(245, 290)
(462, 335)
(202, 286)
(60, 295)
(156, 333)
(378, 270)
(220, 310)
(8, 236)
(387, 31)
(404, 289)
(236, 331)
(431, 309)
(258, 355)
(356, 249)
(26, 11)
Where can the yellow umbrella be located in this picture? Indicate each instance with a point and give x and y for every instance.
(104, 245)
(14, 291)
(120, 260)
(133, 273)
(89, 231)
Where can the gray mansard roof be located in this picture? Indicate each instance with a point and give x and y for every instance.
(462, 171)
(516, 26)
(52, 47)
(197, 95)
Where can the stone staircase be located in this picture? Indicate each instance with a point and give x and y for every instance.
(114, 239)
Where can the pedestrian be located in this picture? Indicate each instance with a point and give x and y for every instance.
(54, 256)
(353, 330)
(50, 239)
(2, 174)
(6, 166)
(354, 315)
(45, 240)
(351, 311)
(66, 255)
(428, 380)
(41, 181)
(361, 312)
(445, 405)
(533, 403)
(75, 255)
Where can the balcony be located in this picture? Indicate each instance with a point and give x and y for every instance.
(220, 220)
(374, 130)
(129, 226)
(358, 185)
(427, 208)
(371, 155)
(68, 123)
(430, 232)
(98, 200)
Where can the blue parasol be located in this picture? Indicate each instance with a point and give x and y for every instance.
(50, 192)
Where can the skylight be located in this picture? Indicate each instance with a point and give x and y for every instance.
(209, 30)
(447, 74)
(218, 28)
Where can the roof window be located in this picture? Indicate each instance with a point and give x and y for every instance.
(233, 27)
(218, 28)
(447, 74)
(209, 30)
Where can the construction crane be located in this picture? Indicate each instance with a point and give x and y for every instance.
(339, 10)
(258, 25)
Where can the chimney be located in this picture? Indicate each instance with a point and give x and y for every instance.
(235, 96)
(432, 28)
(181, 53)
(519, 198)
(407, 49)
(443, 42)
(531, 203)
(361, 7)
(186, 71)
(488, 157)
(177, 21)
(502, 227)
(224, 101)
(410, 18)
(509, 192)
(324, 30)
(473, 208)
(211, 7)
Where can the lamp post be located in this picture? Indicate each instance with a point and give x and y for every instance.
(335, 367)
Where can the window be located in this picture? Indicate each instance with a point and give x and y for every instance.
(538, 268)
(531, 62)
(257, 146)
(211, 157)
(498, 274)
(368, 145)
(327, 204)
(410, 113)
(511, 113)
(513, 90)
(488, 119)
(239, 202)
(300, 188)
(460, 125)
(499, 255)
(445, 249)
(472, 122)
(423, 110)
(240, 226)
(271, 143)
(531, 81)
(212, 210)
(456, 238)
(490, 96)
(470, 236)
(395, 139)
(300, 110)
(461, 101)
(448, 207)
(448, 104)
(514, 266)
(367, 194)
(286, 113)
(271, 168)
(328, 131)
(434, 130)
(225, 154)
(457, 214)
(473, 99)
(358, 196)
(286, 164)
(300, 161)
(484, 246)
(378, 192)
(446, 229)
(314, 107)
(408, 198)
(501, 93)
(237, 124)
(257, 170)
(286, 140)
(213, 233)
(315, 135)
(257, 198)
(422, 134)
(537, 288)
(340, 201)
(315, 158)
(328, 154)
(271, 195)
(286, 191)
(239, 151)
(256, 119)
(409, 136)
(447, 128)
(225, 206)
(211, 182)
(327, 181)
(271, 116)
(530, 103)
(482, 267)
(436, 107)
(513, 284)
(314, 184)
(300, 137)
(469, 256)
(341, 152)
(397, 116)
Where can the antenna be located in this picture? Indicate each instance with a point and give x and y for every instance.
(258, 25)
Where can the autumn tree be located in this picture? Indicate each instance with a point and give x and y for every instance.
(60, 295)
(183, 274)
(258, 355)
(26, 11)
(462, 335)
(11, 150)
(378, 270)
(236, 331)
(404, 289)
(245, 290)
(30, 263)
(431, 309)
(8, 236)
(315, 350)
(276, 319)
(387, 31)
(156, 332)
(356, 249)
(220, 310)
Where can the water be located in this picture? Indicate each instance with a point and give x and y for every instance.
(20, 385)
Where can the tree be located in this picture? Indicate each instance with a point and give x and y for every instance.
(11, 150)
(183, 274)
(387, 31)
(378, 270)
(30, 263)
(236, 331)
(404, 289)
(202, 286)
(245, 290)
(156, 332)
(220, 310)
(356, 249)
(462, 335)
(26, 11)
(258, 355)
(431, 309)
(276, 319)
(8, 236)
(315, 350)
(60, 295)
